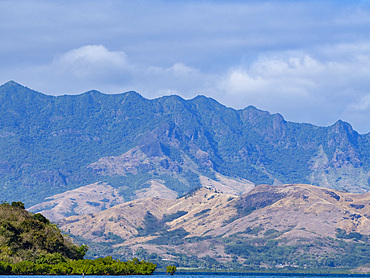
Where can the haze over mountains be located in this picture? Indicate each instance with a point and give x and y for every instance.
(50, 145)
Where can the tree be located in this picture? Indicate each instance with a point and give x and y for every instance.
(171, 269)
(5, 268)
(18, 204)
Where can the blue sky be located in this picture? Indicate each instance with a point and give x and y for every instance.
(307, 60)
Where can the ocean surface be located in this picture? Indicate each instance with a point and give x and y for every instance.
(203, 275)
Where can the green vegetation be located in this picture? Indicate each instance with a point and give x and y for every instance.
(171, 269)
(153, 225)
(30, 244)
(46, 142)
(257, 248)
(319, 254)
(353, 235)
(101, 266)
(202, 212)
(174, 237)
(264, 254)
(28, 237)
(191, 192)
(171, 217)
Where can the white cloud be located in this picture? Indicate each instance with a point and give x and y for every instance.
(305, 86)
(316, 85)
(92, 61)
(308, 60)
(362, 105)
(178, 69)
(181, 79)
(271, 78)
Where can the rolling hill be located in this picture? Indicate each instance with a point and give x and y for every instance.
(292, 225)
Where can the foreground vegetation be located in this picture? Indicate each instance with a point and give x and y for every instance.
(30, 244)
(101, 266)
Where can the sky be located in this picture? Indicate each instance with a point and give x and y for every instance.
(307, 60)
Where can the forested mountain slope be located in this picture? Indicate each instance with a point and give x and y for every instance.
(31, 245)
(49, 145)
(31, 237)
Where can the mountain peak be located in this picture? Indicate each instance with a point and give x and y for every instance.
(200, 97)
(342, 125)
(205, 99)
(11, 84)
(13, 90)
(94, 92)
(134, 93)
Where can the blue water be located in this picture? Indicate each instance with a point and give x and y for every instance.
(203, 275)
(263, 275)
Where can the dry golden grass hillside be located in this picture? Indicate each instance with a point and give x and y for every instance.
(208, 224)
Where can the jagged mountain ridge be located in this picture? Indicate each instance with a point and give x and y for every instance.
(49, 145)
(303, 224)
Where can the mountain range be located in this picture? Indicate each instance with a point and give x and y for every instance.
(53, 144)
(190, 182)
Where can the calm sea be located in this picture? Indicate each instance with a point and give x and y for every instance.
(205, 275)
